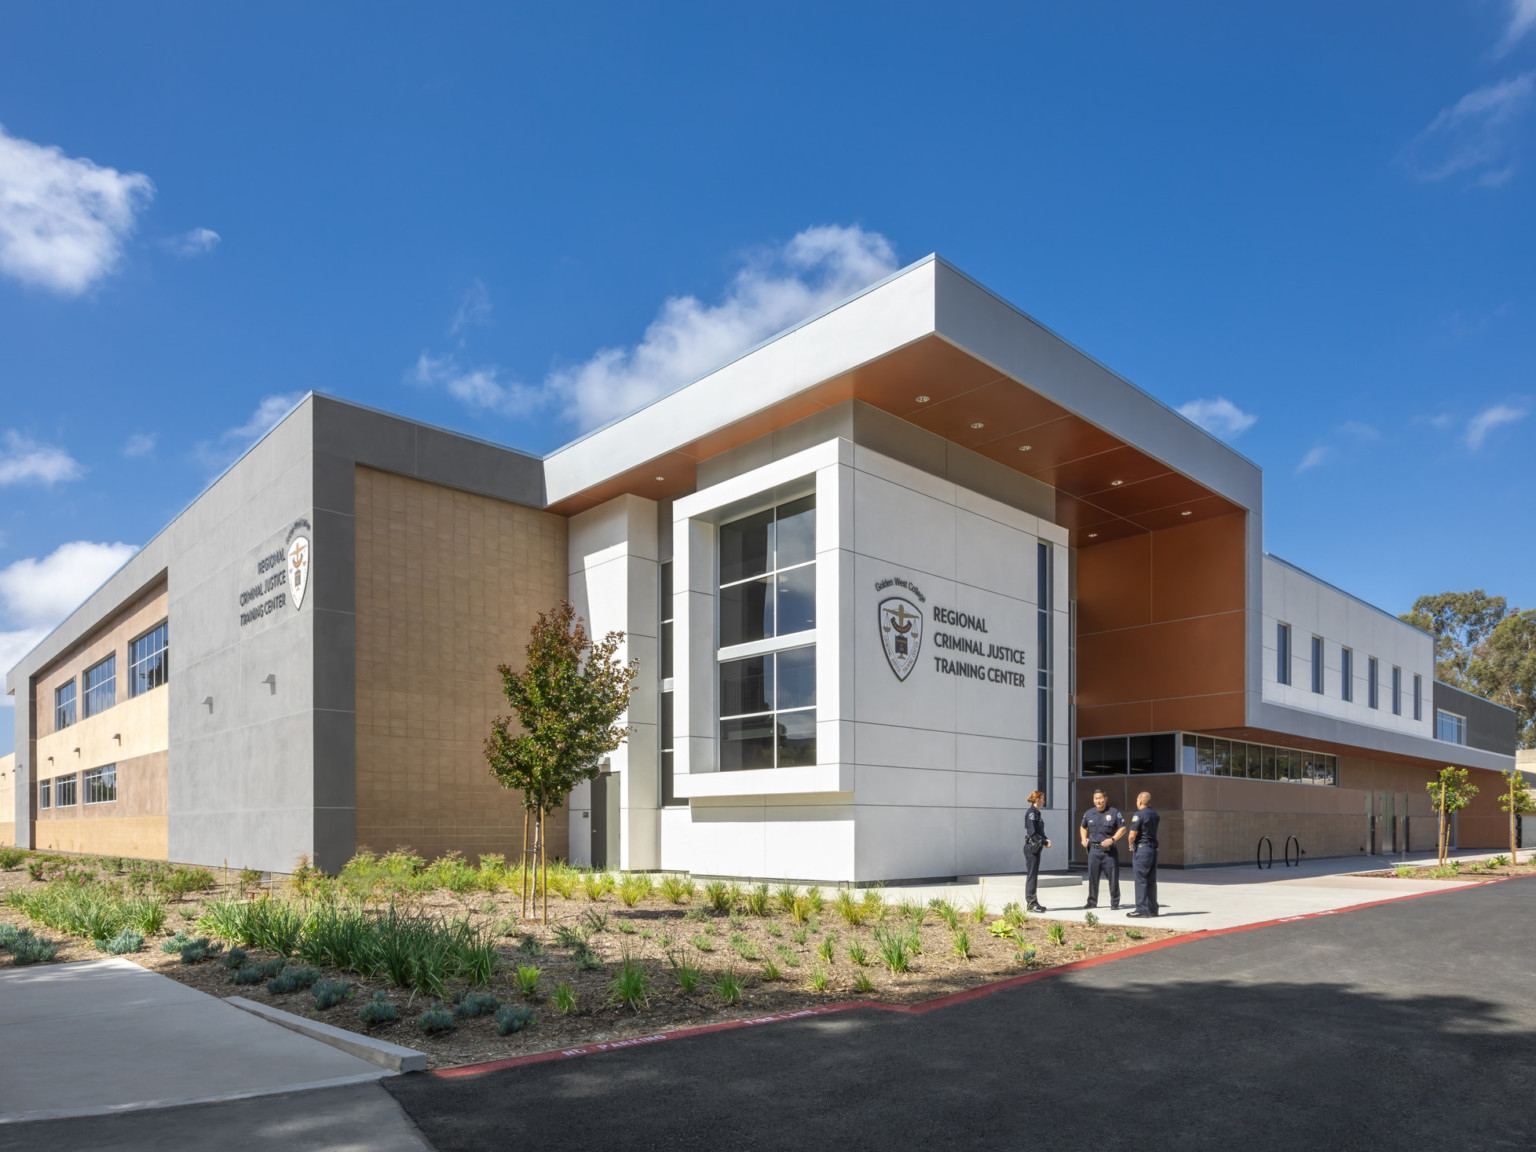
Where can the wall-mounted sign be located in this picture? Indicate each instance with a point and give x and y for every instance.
(282, 576)
(298, 562)
(901, 634)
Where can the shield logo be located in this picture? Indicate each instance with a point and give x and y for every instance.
(901, 634)
(298, 569)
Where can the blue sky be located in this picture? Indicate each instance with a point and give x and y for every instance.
(1313, 221)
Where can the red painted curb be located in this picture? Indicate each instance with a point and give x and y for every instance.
(953, 998)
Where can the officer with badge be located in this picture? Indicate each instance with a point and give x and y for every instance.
(1102, 826)
(1144, 855)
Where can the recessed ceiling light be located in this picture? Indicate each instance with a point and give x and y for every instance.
(661, 477)
(1091, 535)
(1025, 447)
(978, 424)
(922, 399)
(1116, 483)
(1186, 513)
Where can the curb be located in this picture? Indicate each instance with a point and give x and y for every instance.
(924, 1006)
(392, 1057)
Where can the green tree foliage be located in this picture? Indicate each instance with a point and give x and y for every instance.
(1518, 800)
(568, 700)
(1484, 647)
(1449, 793)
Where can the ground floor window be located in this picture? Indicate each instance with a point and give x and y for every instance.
(45, 793)
(101, 784)
(768, 710)
(1131, 755)
(65, 791)
(1213, 756)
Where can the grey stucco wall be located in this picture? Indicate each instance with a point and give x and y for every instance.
(1490, 726)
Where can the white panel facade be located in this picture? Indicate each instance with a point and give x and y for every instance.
(1314, 608)
(922, 776)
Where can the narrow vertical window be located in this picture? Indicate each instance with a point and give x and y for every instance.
(1317, 664)
(1283, 653)
(664, 726)
(1346, 673)
(63, 706)
(45, 793)
(1418, 697)
(1372, 683)
(148, 660)
(100, 684)
(1397, 690)
(1045, 575)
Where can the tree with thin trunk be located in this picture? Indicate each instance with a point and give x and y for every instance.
(568, 700)
(1449, 793)
(1518, 800)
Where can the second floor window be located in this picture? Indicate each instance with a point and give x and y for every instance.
(1450, 727)
(1317, 664)
(1283, 653)
(1372, 683)
(148, 661)
(100, 684)
(768, 574)
(1347, 673)
(63, 706)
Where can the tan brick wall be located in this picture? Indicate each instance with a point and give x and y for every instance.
(448, 585)
(135, 824)
(113, 636)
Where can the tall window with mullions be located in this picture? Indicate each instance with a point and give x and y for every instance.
(149, 660)
(664, 709)
(1043, 671)
(767, 650)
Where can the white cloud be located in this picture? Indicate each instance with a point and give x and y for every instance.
(1522, 18)
(1487, 420)
(13, 646)
(474, 308)
(198, 242)
(777, 288)
(23, 461)
(140, 444)
(63, 220)
(218, 454)
(1315, 457)
(1473, 135)
(1218, 416)
(39, 593)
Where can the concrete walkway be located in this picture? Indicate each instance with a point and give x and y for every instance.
(1197, 899)
(106, 1036)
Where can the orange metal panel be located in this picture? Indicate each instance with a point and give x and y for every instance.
(1199, 568)
(1114, 585)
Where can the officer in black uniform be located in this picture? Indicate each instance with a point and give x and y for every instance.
(1035, 842)
(1144, 855)
(1102, 827)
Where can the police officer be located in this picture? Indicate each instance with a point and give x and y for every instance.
(1034, 843)
(1144, 855)
(1102, 826)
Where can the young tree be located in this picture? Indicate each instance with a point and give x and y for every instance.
(1449, 793)
(568, 700)
(1518, 800)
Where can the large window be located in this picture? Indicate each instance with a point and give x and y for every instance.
(768, 710)
(63, 706)
(148, 661)
(664, 710)
(100, 684)
(1212, 756)
(768, 574)
(1283, 653)
(1043, 594)
(1372, 682)
(1131, 755)
(65, 791)
(1450, 727)
(101, 784)
(1397, 690)
(1317, 664)
(767, 615)
(1347, 673)
(45, 793)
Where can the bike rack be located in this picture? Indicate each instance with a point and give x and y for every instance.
(1288, 863)
(1258, 852)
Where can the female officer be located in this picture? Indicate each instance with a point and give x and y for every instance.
(1034, 843)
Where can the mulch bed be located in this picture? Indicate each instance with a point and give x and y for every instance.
(1465, 873)
(658, 927)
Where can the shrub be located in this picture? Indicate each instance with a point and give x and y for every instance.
(492, 876)
(1133, 934)
(946, 912)
(476, 1004)
(703, 943)
(854, 912)
(526, 980)
(563, 998)
(234, 958)
(717, 896)
(10, 857)
(37, 868)
(127, 940)
(8, 934)
(895, 949)
(1001, 929)
(759, 900)
(292, 980)
(435, 1019)
(636, 887)
(1091, 920)
(596, 885)
(585, 958)
(568, 937)
(862, 984)
(1404, 871)
(199, 950)
(180, 881)
(378, 1010)
(176, 943)
(818, 981)
(676, 890)
(696, 915)
(827, 949)
(962, 944)
(594, 920)
(250, 974)
(771, 970)
(787, 954)
(1014, 914)
(773, 928)
(858, 953)
(1498, 861)
(329, 993)
(978, 909)
(800, 935)
(817, 901)
(29, 949)
(913, 911)
(629, 985)
(145, 913)
(249, 878)
(626, 926)
(1057, 934)
(688, 976)
(270, 968)
(1079, 947)
(563, 882)
(802, 910)
(513, 1018)
(1026, 954)
(1110, 938)
(530, 945)
(744, 946)
(728, 987)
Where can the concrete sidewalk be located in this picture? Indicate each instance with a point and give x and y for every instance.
(106, 1036)
(1197, 899)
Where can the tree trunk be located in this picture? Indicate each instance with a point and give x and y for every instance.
(523, 860)
(1514, 855)
(1445, 828)
(543, 867)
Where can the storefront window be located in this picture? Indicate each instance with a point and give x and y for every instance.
(1212, 756)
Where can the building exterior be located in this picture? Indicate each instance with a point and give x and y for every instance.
(883, 576)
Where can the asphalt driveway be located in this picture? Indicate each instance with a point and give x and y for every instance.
(1409, 1025)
